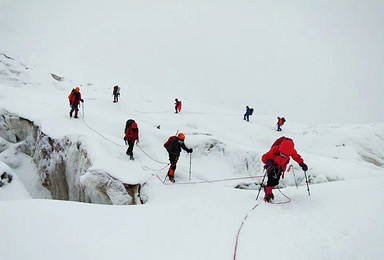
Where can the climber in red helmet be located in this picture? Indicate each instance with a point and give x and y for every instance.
(276, 161)
(173, 146)
(74, 101)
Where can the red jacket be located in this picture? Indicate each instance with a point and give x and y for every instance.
(274, 154)
(132, 132)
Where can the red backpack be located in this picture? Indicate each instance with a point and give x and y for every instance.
(278, 141)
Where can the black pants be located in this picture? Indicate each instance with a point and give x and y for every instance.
(173, 158)
(130, 147)
(274, 175)
(74, 107)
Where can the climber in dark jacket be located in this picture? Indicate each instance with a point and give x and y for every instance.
(174, 146)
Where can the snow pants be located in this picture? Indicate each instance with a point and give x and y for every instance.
(74, 107)
(173, 158)
(130, 147)
(274, 175)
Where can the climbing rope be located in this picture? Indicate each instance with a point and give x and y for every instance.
(246, 216)
(209, 181)
(146, 168)
(151, 157)
(82, 118)
(238, 232)
(283, 202)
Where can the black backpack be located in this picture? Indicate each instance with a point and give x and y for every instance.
(167, 142)
(128, 124)
(283, 119)
(251, 111)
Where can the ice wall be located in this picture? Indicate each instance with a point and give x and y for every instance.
(63, 165)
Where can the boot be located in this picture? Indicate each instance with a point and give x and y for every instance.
(269, 198)
(171, 178)
(268, 194)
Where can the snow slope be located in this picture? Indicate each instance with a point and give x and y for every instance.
(340, 220)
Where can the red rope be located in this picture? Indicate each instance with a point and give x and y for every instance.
(231, 179)
(212, 181)
(238, 232)
(284, 202)
(246, 216)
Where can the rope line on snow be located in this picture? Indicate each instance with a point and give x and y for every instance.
(146, 168)
(120, 145)
(284, 202)
(209, 181)
(246, 216)
(151, 157)
(238, 232)
(82, 118)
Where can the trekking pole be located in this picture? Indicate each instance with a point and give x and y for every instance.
(293, 171)
(261, 183)
(306, 180)
(190, 165)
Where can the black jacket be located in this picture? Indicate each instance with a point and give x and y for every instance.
(175, 145)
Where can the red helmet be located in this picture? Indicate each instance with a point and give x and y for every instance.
(181, 136)
(287, 147)
(77, 89)
(134, 125)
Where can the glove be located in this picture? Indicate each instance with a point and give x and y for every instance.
(304, 166)
(82, 100)
(268, 164)
(190, 150)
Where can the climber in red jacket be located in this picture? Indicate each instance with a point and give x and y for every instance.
(276, 161)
